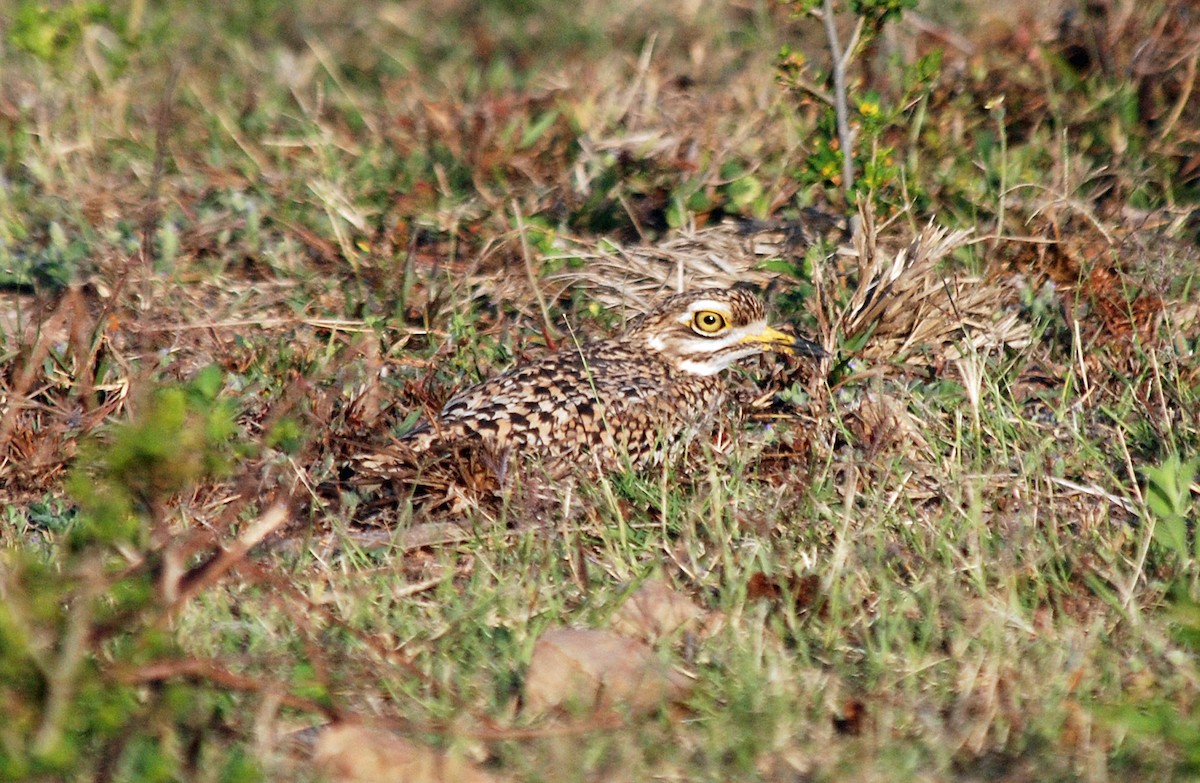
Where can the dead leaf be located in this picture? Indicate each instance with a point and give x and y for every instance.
(851, 719)
(803, 590)
(356, 754)
(598, 670)
(760, 586)
(655, 611)
(883, 425)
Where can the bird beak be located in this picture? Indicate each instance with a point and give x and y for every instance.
(796, 346)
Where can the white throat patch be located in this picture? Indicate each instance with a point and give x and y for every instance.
(701, 367)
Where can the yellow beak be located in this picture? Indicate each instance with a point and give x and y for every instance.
(777, 340)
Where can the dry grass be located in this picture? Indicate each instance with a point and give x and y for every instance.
(937, 562)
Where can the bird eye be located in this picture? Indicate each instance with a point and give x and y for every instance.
(708, 322)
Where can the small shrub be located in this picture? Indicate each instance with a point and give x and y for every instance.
(78, 623)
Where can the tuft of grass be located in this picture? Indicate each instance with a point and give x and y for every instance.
(81, 629)
(969, 552)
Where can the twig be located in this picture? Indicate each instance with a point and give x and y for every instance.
(821, 95)
(644, 60)
(943, 33)
(199, 669)
(840, 105)
(1185, 95)
(332, 324)
(60, 680)
(1096, 492)
(208, 572)
(852, 44)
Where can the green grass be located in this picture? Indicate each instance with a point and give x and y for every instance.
(996, 580)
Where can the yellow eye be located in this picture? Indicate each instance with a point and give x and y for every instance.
(708, 322)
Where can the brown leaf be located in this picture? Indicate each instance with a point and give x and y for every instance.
(761, 586)
(851, 720)
(356, 754)
(804, 591)
(655, 611)
(598, 670)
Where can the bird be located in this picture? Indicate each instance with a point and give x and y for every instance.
(624, 402)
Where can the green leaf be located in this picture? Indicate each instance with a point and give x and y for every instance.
(744, 191)
(1171, 532)
(537, 129)
(287, 435)
(778, 266)
(1169, 500)
(208, 382)
(676, 212)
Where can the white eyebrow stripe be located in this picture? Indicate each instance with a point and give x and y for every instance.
(709, 304)
(701, 305)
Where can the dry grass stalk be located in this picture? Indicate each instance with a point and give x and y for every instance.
(633, 278)
(902, 301)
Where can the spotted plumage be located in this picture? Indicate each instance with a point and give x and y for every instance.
(619, 402)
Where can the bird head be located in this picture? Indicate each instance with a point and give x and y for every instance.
(705, 331)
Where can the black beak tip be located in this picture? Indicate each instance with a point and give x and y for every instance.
(809, 349)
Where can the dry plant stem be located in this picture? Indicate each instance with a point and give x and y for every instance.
(211, 106)
(639, 82)
(86, 343)
(997, 109)
(1147, 533)
(816, 92)
(1080, 355)
(631, 213)
(1096, 492)
(1159, 395)
(24, 380)
(199, 669)
(331, 324)
(334, 71)
(1189, 86)
(162, 127)
(211, 570)
(841, 549)
(840, 104)
(72, 651)
(943, 33)
(547, 330)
